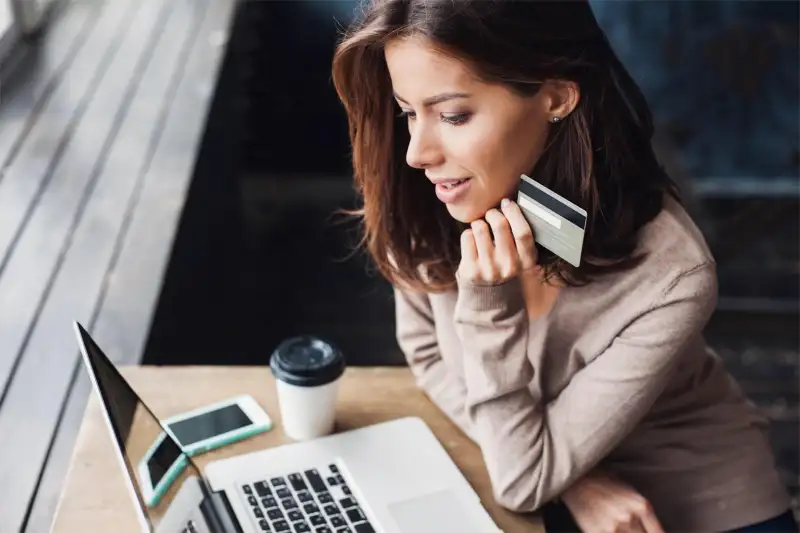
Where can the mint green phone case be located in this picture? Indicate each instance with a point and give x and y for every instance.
(169, 477)
(201, 447)
(230, 438)
(227, 438)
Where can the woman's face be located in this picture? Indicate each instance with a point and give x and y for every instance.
(465, 129)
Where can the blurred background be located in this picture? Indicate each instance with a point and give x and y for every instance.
(721, 77)
(260, 254)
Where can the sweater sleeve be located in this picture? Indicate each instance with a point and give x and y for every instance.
(416, 335)
(534, 451)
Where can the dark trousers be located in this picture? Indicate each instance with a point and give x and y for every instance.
(557, 519)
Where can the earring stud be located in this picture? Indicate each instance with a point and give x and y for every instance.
(555, 120)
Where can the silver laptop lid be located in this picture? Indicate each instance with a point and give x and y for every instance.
(137, 433)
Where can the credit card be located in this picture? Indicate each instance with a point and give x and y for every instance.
(557, 223)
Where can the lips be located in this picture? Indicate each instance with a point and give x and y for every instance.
(451, 191)
(454, 183)
(448, 182)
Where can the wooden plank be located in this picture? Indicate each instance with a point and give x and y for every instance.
(40, 253)
(23, 182)
(8, 33)
(42, 507)
(32, 81)
(136, 278)
(80, 281)
(42, 233)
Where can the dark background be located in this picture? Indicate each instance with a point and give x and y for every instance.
(261, 253)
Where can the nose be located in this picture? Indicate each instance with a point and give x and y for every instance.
(423, 148)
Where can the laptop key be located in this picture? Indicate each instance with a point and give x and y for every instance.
(305, 496)
(346, 490)
(289, 503)
(347, 502)
(302, 527)
(333, 481)
(355, 515)
(297, 481)
(338, 521)
(278, 482)
(269, 502)
(344, 530)
(262, 489)
(310, 508)
(323, 529)
(247, 489)
(281, 525)
(274, 514)
(294, 515)
(332, 510)
(283, 492)
(258, 513)
(315, 480)
(334, 469)
(364, 527)
(264, 525)
(324, 497)
(317, 520)
(252, 501)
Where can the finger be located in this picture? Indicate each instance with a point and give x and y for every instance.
(483, 241)
(650, 523)
(629, 523)
(469, 251)
(501, 229)
(637, 526)
(522, 233)
(505, 251)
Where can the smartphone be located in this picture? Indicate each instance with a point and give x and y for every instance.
(206, 428)
(198, 431)
(161, 465)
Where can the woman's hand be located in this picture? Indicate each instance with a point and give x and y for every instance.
(602, 504)
(512, 251)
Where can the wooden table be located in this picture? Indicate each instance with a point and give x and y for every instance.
(95, 497)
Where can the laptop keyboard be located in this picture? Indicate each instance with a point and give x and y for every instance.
(312, 501)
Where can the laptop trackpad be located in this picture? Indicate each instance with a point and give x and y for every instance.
(432, 513)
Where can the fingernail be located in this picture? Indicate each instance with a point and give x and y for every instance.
(505, 202)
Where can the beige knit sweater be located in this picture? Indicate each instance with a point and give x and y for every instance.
(617, 373)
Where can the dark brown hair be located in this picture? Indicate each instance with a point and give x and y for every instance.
(599, 157)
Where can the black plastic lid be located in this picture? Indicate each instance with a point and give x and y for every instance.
(307, 361)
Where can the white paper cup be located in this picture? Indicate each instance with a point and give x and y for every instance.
(307, 412)
(307, 371)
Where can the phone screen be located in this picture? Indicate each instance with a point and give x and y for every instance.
(161, 460)
(210, 424)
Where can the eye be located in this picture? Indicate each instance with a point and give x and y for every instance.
(455, 119)
(410, 115)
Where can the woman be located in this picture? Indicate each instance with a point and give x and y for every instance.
(588, 385)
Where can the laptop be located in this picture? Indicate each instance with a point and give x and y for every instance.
(392, 477)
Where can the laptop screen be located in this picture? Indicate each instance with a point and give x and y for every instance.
(155, 464)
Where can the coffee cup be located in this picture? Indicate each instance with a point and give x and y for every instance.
(307, 371)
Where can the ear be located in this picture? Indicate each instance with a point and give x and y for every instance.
(562, 98)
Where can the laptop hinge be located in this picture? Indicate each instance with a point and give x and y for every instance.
(219, 514)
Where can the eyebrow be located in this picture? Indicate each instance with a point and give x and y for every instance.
(438, 99)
